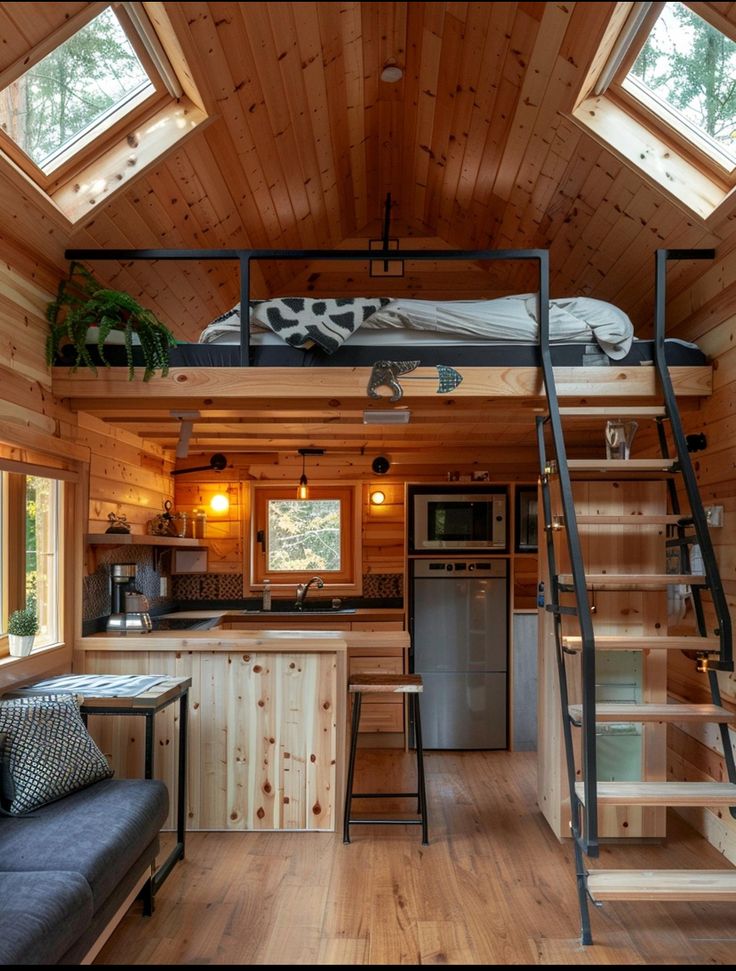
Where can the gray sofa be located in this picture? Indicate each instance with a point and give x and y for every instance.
(66, 868)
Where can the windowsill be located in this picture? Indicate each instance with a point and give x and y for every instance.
(683, 180)
(7, 659)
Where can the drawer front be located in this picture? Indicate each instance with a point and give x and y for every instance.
(378, 665)
(375, 665)
(381, 717)
(377, 625)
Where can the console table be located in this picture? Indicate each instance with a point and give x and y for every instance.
(113, 700)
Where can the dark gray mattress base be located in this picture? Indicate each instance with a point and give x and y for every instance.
(363, 355)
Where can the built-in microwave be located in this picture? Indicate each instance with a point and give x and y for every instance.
(455, 521)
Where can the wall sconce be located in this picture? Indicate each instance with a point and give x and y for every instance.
(219, 502)
(378, 498)
(302, 490)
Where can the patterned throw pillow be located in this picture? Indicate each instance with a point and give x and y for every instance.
(48, 751)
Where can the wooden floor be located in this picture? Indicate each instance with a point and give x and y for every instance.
(493, 887)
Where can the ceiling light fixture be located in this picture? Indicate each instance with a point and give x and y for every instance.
(391, 73)
(218, 462)
(378, 498)
(394, 416)
(302, 490)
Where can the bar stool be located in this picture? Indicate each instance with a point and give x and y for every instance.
(411, 685)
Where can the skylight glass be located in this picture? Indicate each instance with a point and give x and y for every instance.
(77, 91)
(687, 68)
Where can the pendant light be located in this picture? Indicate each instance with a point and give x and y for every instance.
(302, 490)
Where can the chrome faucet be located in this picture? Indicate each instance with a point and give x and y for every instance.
(303, 588)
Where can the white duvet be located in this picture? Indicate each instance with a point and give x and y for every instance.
(512, 319)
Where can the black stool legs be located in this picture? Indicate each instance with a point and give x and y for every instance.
(357, 698)
(421, 787)
(421, 793)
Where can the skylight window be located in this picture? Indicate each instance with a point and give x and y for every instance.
(686, 70)
(660, 93)
(75, 93)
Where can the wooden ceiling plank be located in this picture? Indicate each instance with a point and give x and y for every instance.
(242, 103)
(293, 74)
(467, 91)
(308, 37)
(351, 32)
(230, 140)
(498, 32)
(263, 52)
(451, 58)
(431, 53)
(411, 91)
(332, 55)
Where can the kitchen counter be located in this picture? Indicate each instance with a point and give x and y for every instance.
(269, 641)
(266, 722)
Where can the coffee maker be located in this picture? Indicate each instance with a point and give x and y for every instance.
(129, 606)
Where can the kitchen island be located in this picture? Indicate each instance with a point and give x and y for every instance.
(267, 719)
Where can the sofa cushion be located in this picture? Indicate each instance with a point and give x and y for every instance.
(42, 915)
(48, 749)
(98, 832)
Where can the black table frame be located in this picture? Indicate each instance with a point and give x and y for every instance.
(149, 712)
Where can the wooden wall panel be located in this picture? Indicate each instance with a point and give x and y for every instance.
(262, 736)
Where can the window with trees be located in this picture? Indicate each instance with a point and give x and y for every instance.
(295, 539)
(662, 94)
(31, 559)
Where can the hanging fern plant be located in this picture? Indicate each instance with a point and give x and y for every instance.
(82, 302)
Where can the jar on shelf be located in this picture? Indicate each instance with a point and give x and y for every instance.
(199, 521)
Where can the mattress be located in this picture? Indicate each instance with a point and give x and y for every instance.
(303, 322)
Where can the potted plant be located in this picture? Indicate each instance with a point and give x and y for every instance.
(22, 628)
(83, 302)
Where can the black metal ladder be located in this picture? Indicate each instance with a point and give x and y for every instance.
(712, 652)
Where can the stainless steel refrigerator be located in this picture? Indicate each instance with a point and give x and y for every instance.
(459, 613)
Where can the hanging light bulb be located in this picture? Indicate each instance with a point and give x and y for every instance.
(302, 490)
(219, 502)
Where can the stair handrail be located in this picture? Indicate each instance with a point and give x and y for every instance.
(589, 837)
(700, 523)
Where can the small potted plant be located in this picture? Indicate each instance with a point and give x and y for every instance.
(82, 303)
(22, 628)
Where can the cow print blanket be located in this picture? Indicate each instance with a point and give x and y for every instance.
(302, 321)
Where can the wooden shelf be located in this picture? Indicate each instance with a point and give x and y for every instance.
(140, 539)
(159, 544)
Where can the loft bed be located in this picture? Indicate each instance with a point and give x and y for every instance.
(492, 346)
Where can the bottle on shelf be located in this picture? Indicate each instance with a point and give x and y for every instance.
(266, 595)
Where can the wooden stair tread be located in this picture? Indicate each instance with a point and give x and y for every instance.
(662, 884)
(621, 465)
(622, 712)
(663, 793)
(630, 520)
(604, 411)
(635, 579)
(626, 642)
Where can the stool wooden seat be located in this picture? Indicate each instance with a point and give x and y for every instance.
(397, 683)
(410, 684)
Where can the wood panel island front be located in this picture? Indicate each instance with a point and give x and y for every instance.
(267, 720)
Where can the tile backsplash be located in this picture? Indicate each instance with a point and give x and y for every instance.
(229, 586)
